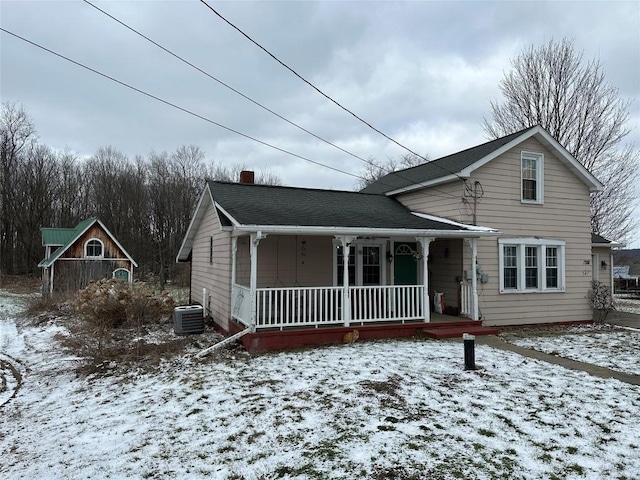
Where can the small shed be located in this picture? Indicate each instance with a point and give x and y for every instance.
(76, 256)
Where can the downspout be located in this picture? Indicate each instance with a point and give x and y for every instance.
(224, 342)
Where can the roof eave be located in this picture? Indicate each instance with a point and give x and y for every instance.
(427, 184)
(315, 230)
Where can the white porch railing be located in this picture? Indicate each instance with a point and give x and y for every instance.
(387, 303)
(466, 299)
(315, 306)
(295, 306)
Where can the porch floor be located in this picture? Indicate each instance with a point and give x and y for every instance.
(444, 326)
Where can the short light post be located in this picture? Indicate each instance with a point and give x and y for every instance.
(469, 351)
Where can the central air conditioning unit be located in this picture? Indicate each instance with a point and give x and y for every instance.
(188, 319)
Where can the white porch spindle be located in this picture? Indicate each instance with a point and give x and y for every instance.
(424, 246)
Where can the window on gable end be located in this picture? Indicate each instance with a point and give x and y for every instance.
(532, 177)
(211, 250)
(93, 248)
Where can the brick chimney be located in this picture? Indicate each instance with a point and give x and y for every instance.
(247, 176)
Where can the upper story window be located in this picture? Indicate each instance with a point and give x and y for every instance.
(532, 177)
(94, 248)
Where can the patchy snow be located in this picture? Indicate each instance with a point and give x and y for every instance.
(392, 409)
(613, 348)
(628, 303)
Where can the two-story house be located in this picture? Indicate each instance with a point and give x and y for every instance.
(498, 234)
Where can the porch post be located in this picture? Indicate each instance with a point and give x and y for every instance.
(253, 282)
(473, 243)
(51, 279)
(424, 246)
(234, 253)
(346, 300)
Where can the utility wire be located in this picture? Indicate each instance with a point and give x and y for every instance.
(124, 84)
(321, 92)
(177, 106)
(246, 97)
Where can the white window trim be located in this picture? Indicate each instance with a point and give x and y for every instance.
(539, 157)
(356, 246)
(542, 243)
(94, 256)
(113, 275)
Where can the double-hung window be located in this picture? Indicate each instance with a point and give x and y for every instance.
(532, 183)
(531, 265)
(366, 266)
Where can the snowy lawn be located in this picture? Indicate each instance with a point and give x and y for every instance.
(605, 346)
(379, 410)
(628, 303)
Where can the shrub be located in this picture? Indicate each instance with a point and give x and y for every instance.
(601, 300)
(110, 304)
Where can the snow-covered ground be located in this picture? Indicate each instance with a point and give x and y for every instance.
(393, 409)
(606, 346)
(628, 303)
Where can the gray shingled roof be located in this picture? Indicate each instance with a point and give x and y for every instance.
(441, 167)
(595, 238)
(286, 206)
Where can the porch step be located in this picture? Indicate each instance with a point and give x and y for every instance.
(457, 331)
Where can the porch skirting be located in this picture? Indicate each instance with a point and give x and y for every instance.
(264, 341)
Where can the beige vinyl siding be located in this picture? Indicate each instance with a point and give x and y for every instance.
(445, 269)
(563, 216)
(604, 272)
(216, 276)
(443, 200)
(288, 261)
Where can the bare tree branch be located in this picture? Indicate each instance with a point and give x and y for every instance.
(554, 87)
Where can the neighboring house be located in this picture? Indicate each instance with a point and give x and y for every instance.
(272, 259)
(76, 256)
(626, 278)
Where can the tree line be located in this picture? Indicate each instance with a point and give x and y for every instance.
(146, 202)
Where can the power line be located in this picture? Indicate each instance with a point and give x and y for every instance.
(246, 97)
(321, 92)
(166, 102)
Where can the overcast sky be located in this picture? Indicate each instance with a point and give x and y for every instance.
(422, 72)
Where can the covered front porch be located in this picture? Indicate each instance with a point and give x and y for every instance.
(299, 281)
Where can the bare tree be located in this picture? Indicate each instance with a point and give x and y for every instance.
(231, 173)
(374, 170)
(17, 131)
(554, 87)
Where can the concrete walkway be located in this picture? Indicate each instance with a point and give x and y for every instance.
(624, 319)
(594, 370)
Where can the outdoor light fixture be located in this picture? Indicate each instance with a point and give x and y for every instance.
(603, 264)
(389, 256)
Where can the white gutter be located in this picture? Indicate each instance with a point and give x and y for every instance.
(474, 228)
(413, 232)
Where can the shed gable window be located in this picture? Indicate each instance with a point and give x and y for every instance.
(94, 248)
(532, 177)
(531, 265)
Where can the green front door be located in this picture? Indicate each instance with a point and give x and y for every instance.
(405, 265)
